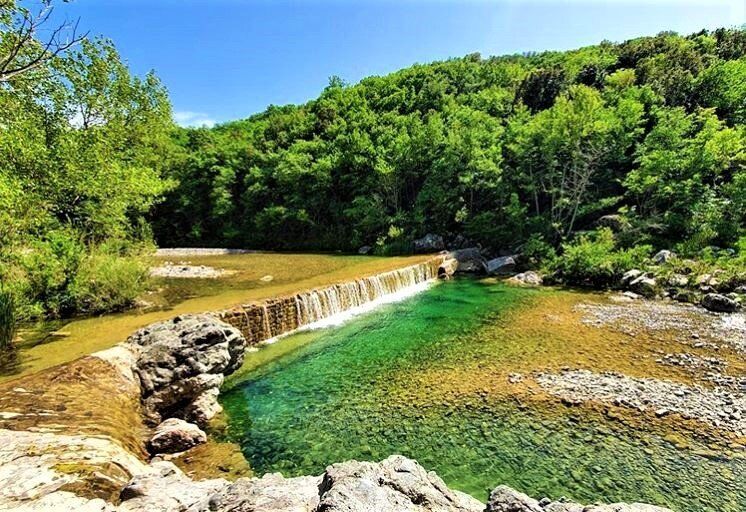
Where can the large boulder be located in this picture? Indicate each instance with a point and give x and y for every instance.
(396, 484)
(470, 260)
(365, 250)
(644, 285)
(429, 243)
(504, 265)
(181, 364)
(719, 303)
(175, 435)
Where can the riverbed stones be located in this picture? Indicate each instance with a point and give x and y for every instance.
(719, 408)
(187, 271)
(720, 303)
(429, 243)
(180, 361)
(175, 435)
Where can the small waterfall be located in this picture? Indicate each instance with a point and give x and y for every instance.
(321, 304)
(329, 305)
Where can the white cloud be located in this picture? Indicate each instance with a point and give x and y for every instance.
(193, 119)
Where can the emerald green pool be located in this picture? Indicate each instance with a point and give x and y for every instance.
(364, 391)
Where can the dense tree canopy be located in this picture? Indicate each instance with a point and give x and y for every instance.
(82, 147)
(503, 149)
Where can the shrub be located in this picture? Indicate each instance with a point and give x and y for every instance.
(107, 282)
(7, 320)
(593, 260)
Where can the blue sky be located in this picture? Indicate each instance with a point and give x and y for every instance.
(227, 59)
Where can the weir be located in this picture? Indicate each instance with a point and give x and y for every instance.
(260, 321)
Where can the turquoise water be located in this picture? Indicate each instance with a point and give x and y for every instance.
(389, 382)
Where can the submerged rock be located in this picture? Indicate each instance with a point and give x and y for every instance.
(181, 364)
(429, 243)
(175, 435)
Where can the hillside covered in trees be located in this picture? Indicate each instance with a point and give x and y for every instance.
(514, 152)
(503, 149)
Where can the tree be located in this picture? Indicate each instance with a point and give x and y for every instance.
(21, 50)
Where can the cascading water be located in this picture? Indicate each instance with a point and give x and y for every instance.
(338, 301)
(329, 305)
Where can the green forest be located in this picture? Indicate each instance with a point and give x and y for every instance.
(591, 157)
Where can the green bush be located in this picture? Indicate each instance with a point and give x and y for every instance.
(594, 260)
(7, 320)
(107, 282)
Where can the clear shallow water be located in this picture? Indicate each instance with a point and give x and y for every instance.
(389, 382)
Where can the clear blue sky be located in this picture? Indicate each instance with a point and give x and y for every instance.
(227, 59)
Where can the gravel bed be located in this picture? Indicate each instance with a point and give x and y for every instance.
(719, 407)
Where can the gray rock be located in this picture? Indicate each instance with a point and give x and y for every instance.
(529, 278)
(646, 286)
(719, 303)
(678, 280)
(204, 407)
(505, 499)
(182, 359)
(271, 493)
(663, 256)
(364, 250)
(470, 260)
(175, 435)
(629, 276)
(396, 484)
(501, 266)
(429, 243)
(164, 488)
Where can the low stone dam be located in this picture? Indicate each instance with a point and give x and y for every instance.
(261, 321)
